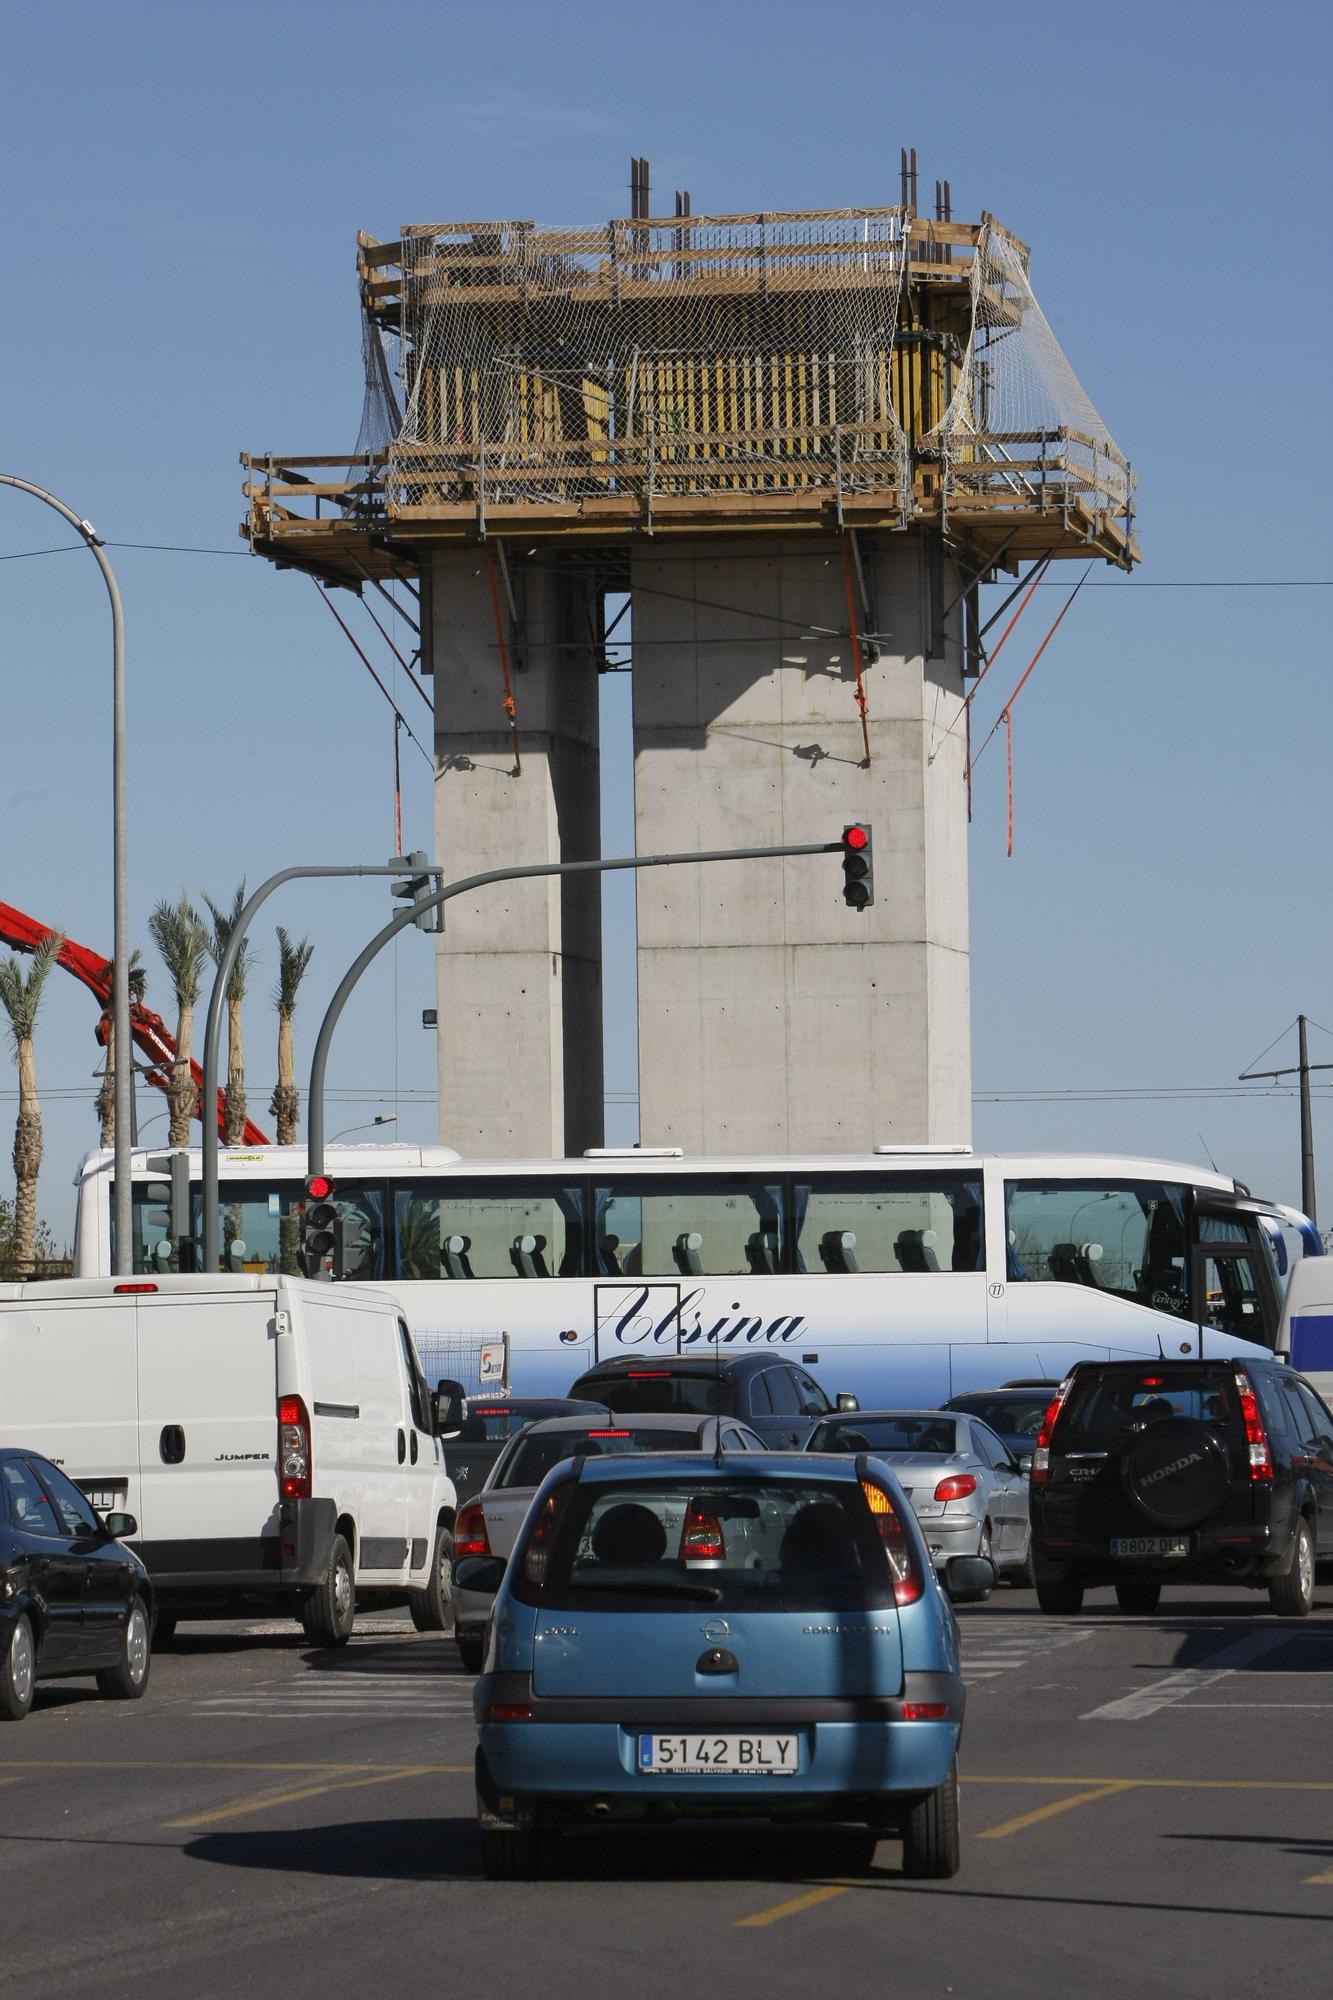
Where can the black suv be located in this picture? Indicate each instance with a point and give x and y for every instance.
(775, 1397)
(1186, 1471)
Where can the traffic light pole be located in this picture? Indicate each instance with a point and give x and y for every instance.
(208, 1116)
(315, 1106)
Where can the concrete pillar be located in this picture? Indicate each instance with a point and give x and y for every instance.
(519, 965)
(772, 1017)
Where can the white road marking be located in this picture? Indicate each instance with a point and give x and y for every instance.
(1178, 1687)
(1001, 1653)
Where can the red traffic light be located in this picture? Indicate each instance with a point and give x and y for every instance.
(856, 836)
(319, 1187)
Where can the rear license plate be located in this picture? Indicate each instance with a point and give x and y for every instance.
(1150, 1545)
(728, 1756)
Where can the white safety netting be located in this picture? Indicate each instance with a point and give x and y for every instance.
(1020, 429)
(706, 355)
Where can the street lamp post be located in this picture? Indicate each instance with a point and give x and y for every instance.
(120, 970)
(380, 1118)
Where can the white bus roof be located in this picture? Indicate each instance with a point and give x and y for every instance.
(443, 1159)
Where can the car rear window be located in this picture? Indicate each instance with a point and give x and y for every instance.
(1020, 1416)
(1123, 1399)
(937, 1435)
(659, 1390)
(533, 1457)
(682, 1545)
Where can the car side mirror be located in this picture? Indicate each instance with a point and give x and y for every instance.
(484, 1574)
(847, 1401)
(120, 1525)
(448, 1407)
(1025, 1463)
(968, 1579)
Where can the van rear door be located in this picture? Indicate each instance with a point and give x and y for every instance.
(208, 1435)
(67, 1389)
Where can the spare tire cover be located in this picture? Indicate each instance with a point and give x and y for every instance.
(1175, 1472)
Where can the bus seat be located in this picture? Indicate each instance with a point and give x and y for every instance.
(609, 1249)
(527, 1256)
(761, 1250)
(1063, 1261)
(454, 1257)
(837, 1250)
(915, 1250)
(686, 1250)
(1091, 1264)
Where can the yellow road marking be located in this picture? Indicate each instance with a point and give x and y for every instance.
(203, 1764)
(243, 1806)
(1322, 1881)
(1173, 1784)
(794, 1907)
(1056, 1806)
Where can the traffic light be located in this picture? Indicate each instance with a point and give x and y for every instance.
(177, 1243)
(858, 868)
(319, 1227)
(416, 886)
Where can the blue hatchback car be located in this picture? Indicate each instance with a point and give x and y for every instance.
(676, 1636)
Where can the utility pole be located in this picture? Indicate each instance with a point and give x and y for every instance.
(1302, 1069)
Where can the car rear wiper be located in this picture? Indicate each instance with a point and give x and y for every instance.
(703, 1593)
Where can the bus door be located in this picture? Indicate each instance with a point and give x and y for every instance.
(1232, 1275)
(635, 1317)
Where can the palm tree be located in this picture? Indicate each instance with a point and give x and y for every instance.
(106, 1096)
(233, 1101)
(285, 1103)
(20, 996)
(179, 932)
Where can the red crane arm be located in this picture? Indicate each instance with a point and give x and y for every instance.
(151, 1033)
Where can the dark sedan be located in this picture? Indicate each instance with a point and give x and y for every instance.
(774, 1396)
(1013, 1412)
(73, 1600)
(488, 1425)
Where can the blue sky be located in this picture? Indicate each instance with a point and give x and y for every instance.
(182, 191)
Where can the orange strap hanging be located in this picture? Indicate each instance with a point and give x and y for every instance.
(856, 648)
(509, 707)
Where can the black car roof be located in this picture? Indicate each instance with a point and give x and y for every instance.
(681, 1364)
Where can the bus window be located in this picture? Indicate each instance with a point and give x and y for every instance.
(882, 1222)
(1123, 1237)
(488, 1229)
(678, 1228)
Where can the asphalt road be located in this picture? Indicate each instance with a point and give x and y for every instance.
(1148, 1809)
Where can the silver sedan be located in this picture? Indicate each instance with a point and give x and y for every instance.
(967, 1491)
(488, 1525)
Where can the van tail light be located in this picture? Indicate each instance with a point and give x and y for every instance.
(956, 1487)
(909, 1580)
(1041, 1450)
(294, 1463)
(470, 1536)
(701, 1538)
(1256, 1437)
(531, 1560)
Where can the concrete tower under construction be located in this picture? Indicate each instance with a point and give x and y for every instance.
(798, 443)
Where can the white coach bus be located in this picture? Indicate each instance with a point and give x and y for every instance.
(901, 1274)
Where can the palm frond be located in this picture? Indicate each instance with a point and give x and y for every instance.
(224, 923)
(21, 986)
(179, 932)
(293, 958)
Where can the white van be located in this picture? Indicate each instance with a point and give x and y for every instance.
(274, 1438)
(1306, 1333)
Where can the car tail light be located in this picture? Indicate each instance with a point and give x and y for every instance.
(701, 1538)
(1256, 1437)
(925, 1711)
(956, 1487)
(1041, 1451)
(470, 1536)
(509, 1711)
(293, 1449)
(608, 1434)
(648, 1374)
(908, 1577)
(529, 1568)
